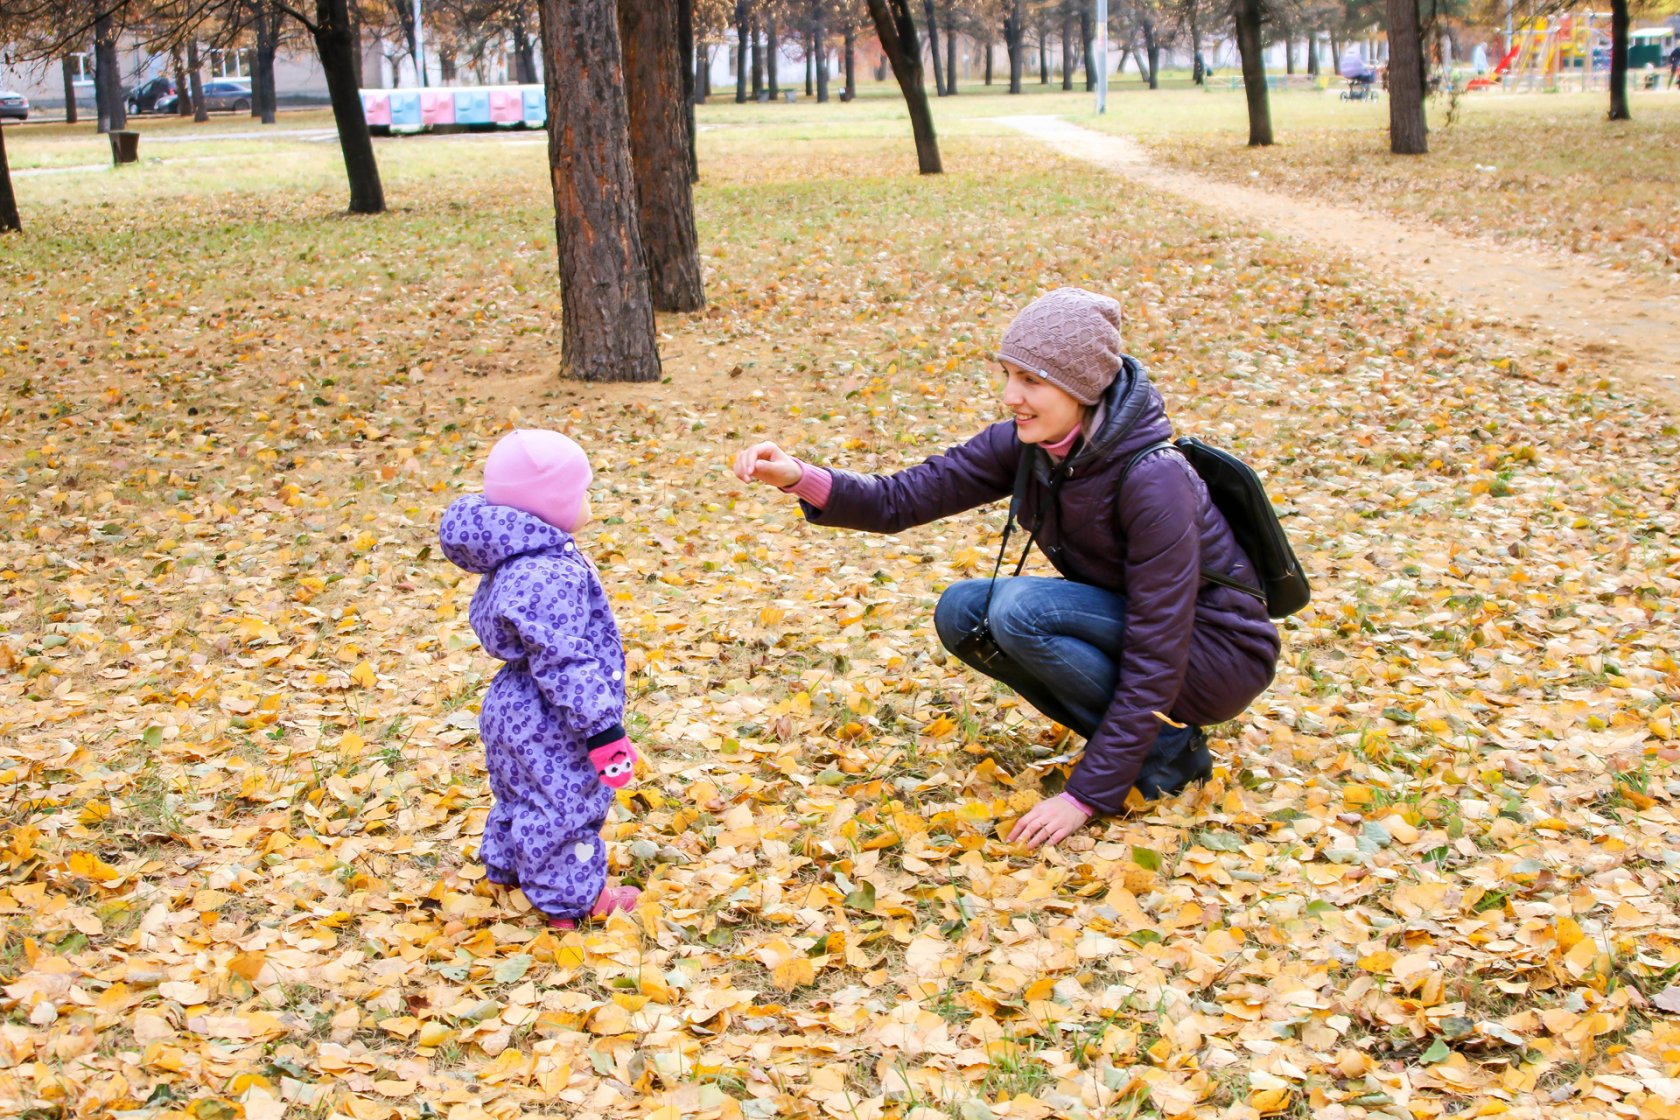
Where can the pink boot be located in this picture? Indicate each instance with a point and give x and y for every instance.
(609, 901)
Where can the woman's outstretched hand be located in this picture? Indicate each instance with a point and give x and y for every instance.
(1049, 822)
(765, 462)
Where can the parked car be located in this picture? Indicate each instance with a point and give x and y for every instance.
(221, 95)
(14, 105)
(145, 97)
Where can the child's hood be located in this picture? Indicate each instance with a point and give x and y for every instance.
(481, 537)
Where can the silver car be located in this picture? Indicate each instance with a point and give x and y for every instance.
(14, 105)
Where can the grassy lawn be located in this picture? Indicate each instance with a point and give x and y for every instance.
(242, 792)
(1545, 169)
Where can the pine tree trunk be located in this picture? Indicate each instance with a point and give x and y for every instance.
(659, 151)
(9, 222)
(897, 31)
(1408, 132)
(1250, 46)
(606, 324)
(70, 91)
(1620, 24)
(933, 48)
(196, 76)
(336, 49)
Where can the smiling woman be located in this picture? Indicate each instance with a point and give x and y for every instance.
(1141, 624)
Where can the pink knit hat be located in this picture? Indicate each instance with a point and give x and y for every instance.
(543, 473)
(1071, 338)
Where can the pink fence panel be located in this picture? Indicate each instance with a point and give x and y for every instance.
(437, 107)
(376, 106)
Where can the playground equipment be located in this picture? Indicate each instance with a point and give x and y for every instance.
(475, 108)
(1545, 51)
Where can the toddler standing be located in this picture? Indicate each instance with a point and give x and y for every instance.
(551, 721)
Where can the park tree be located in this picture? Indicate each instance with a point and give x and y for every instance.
(1250, 16)
(335, 46)
(1014, 40)
(659, 151)
(1408, 131)
(896, 28)
(606, 321)
(9, 220)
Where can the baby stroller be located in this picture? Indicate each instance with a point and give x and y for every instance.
(1360, 76)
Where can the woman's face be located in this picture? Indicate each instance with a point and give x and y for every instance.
(1043, 413)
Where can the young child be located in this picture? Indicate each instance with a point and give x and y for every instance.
(551, 721)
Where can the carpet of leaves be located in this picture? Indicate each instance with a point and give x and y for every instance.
(1435, 873)
(1545, 171)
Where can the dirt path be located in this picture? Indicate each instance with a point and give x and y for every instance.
(1633, 325)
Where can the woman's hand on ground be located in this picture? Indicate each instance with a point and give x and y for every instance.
(765, 462)
(1049, 822)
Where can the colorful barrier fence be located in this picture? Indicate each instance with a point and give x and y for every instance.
(420, 110)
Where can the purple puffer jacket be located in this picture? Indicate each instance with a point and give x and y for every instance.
(541, 609)
(1193, 650)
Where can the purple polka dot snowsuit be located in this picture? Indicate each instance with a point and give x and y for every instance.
(541, 608)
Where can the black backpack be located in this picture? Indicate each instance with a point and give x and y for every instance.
(1239, 495)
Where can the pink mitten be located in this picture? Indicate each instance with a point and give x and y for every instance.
(615, 763)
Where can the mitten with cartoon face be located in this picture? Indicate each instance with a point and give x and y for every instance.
(615, 762)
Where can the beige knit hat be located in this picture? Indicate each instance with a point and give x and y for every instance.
(1071, 338)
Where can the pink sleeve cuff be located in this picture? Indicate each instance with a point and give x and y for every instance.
(813, 486)
(1077, 804)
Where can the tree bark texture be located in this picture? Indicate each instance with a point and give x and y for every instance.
(336, 48)
(70, 91)
(1620, 25)
(9, 222)
(606, 325)
(1408, 133)
(107, 75)
(659, 151)
(1251, 47)
(897, 32)
(269, 17)
(1014, 39)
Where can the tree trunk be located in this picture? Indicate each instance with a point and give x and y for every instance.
(524, 63)
(851, 62)
(1088, 41)
(268, 45)
(772, 48)
(70, 91)
(1043, 58)
(757, 61)
(1619, 28)
(606, 322)
(1250, 46)
(357, 54)
(660, 152)
(685, 60)
(107, 76)
(1408, 132)
(897, 32)
(820, 35)
(1014, 38)
(183, 103)
(9, 222)
(743, 30)
(989, 45)
(336, 48)
(196, 76)
(1197, 65)
(1152, 45)
(1312, 55)
(810, 68)
(1288, 53)
(950, 54)
(1126, 53)
(1067, 47)
(933, 48)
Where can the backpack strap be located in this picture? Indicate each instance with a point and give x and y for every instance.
(1208, 574)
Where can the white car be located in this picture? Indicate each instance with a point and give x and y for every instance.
(14, 105)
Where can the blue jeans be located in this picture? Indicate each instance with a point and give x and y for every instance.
(1060, 642)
